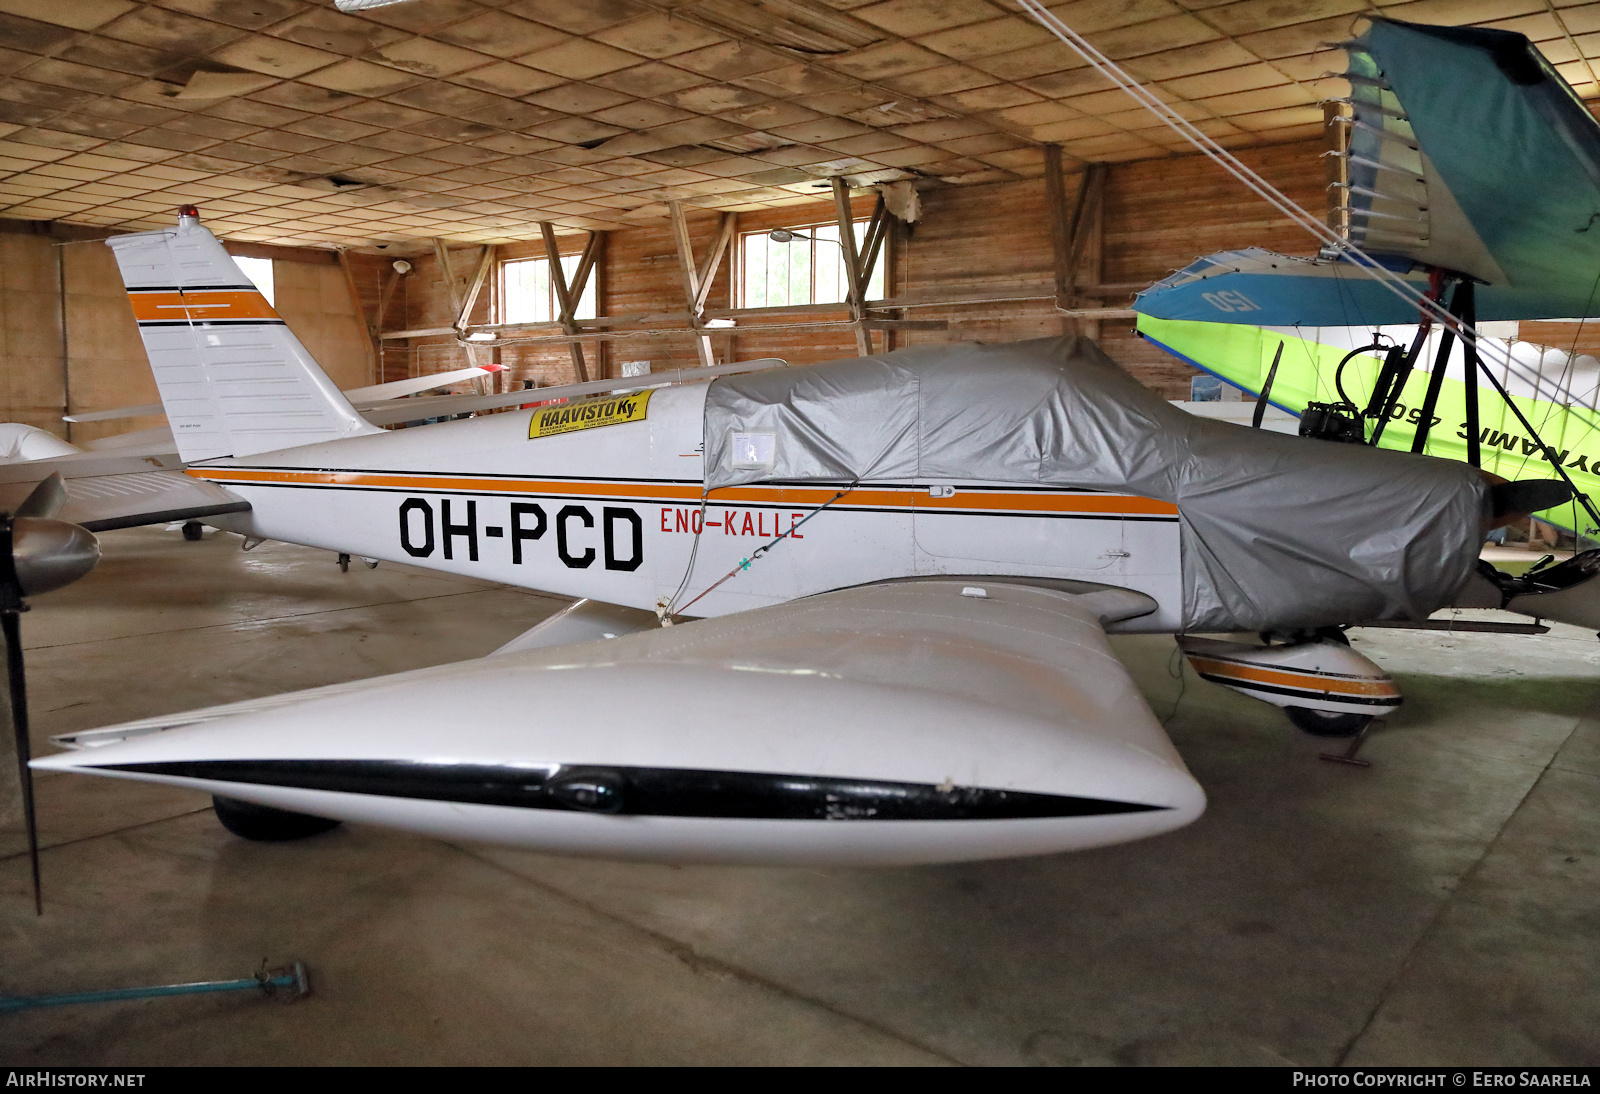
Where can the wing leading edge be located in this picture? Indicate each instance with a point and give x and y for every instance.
(919, 721)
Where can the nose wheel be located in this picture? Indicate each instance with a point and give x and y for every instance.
(1327, 723)
(264, 824)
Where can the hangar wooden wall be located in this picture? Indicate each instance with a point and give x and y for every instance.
(68, 340)
(1159, 215)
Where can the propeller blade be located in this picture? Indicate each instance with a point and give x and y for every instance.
(10, 606)
(46, 499)
(1528, 496)
(17, 683)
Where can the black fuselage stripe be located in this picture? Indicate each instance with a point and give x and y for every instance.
(217, 322)
(646, 791)
(192, 288)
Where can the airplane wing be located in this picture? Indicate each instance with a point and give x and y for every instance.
(1467, 151)
(396, 389)
(915, 721)
(119, 492)
(359, 396)
(436, 406)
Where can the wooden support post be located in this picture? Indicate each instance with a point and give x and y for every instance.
(588, 262)
(1088, 262)
(442, 253)
(361, 317)
(852, 264)
(706, 277)
(897, 238)
(1055, 192)
(1074, 237)
(476, 354)
(479, 277)
(691, 283)
(872, 247)
(599, 241)
(872, 244)
(564, 300)
(390, 283)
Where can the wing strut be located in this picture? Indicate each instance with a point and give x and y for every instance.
(1430, 402)
(1467, 308)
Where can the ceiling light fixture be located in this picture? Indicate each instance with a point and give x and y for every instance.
(363, 5)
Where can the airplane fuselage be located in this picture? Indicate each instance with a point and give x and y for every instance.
(617, 512)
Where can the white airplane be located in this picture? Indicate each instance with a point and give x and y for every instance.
(849, 614)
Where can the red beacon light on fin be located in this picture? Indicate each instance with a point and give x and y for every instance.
(189, 211)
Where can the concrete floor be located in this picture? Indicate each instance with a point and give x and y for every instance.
(1438, 907)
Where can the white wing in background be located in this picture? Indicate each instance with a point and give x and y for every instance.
(111, 491)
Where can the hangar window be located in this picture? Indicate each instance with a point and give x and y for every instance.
(528, 293)
(807, 267)
(259, 271)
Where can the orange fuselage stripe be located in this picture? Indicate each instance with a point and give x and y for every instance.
(1308, 681)
(1099, 504)
(198, 304)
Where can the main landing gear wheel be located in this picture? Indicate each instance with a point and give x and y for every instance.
(193, 531)
(264, 824)
(1327, 723)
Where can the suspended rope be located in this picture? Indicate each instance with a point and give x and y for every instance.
(1330, 239)
(666, 612)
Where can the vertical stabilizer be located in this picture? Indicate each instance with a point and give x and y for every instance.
(233, 379)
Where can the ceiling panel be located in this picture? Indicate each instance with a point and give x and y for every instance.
(479, 118)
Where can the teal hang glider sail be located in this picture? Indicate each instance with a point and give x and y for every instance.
(1467, 152)
(1472, 170)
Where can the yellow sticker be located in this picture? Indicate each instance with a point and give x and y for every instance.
(588, 413)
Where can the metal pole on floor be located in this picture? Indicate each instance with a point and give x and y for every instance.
(292, 978)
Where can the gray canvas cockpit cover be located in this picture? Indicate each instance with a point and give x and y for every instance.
(1277, 531)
